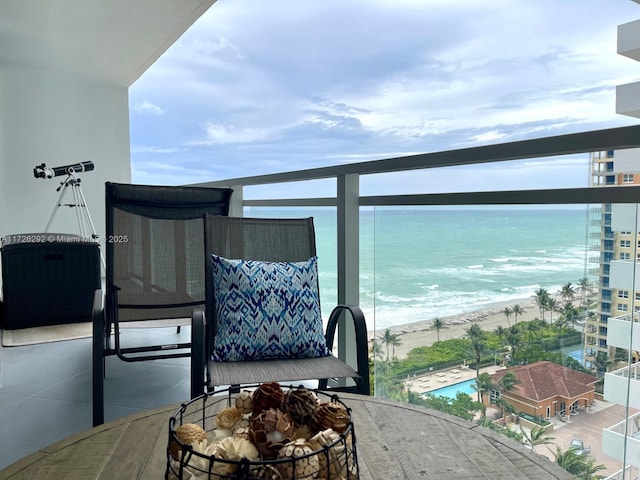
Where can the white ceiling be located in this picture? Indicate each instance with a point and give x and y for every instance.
(112, 41)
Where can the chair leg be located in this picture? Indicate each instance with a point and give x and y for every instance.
(98, 362)
(198, 361)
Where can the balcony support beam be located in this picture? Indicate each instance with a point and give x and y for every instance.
(236, 205)
(348, 228)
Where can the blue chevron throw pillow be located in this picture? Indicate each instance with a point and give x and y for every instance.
(266, 310)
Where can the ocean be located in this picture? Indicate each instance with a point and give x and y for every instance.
(420, 263)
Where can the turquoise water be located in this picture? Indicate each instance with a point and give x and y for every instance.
(577, 354)
(450, 391)
(419, 263)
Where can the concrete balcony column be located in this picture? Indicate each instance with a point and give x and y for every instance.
(237, 200)
(348, 228)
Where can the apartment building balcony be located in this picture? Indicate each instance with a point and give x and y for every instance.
(41, 405)
(623, 384)
(622, 474)
(624, 332)
(622, 441)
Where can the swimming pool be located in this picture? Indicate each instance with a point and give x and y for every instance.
(577, 354)
(450, 391)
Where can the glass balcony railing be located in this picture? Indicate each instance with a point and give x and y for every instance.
(457, 283)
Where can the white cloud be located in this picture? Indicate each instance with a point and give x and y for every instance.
(282, 85)
(217, 133)
(148, 107)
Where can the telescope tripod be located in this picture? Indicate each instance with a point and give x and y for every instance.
(85, 223)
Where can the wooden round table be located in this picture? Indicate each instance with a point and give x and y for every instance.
(394, 441)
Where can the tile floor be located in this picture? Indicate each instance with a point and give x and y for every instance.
(45, 389)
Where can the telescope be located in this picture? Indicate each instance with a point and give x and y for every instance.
(41, 171)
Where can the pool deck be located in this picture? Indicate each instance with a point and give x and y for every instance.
(443, 378)
(586, 426)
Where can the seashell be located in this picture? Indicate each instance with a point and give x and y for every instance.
(187, 434)
(306, 468)
(244, 401)
(228, 417)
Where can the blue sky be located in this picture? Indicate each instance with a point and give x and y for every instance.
(260, 87)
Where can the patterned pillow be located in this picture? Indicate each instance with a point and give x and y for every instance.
(266, 310)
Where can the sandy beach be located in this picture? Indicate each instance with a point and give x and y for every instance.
(419, 334)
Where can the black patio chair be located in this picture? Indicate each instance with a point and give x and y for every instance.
(250, 303)
(154, 269)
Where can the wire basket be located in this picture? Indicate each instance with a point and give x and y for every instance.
(264, 432)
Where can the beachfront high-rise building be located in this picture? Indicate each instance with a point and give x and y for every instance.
(615, 243)
(615, 328)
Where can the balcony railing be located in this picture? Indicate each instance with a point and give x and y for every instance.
(343, 185)
(348, 201)
(614, 444)
(622, 474)
(623, 333)
(623, 385)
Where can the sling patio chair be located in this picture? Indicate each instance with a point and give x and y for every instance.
(154, 270)
(261, 321)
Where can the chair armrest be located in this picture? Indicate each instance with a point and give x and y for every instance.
(198, 354)
(362, 343)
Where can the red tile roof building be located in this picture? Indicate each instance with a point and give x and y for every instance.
(547, 389)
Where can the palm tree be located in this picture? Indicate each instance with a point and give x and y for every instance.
(570, 313)
(478, 343)
(387, 339)
(517, 310)
(560, 324)
(551, 306)
(500, 332)
(583, 286)
(376, 349)
(514, 339)
(542, 297)
(505, 384)
(581, 466)
(483, 384)
(536, 436)
(504, 406)
(438, 324)
(532, 328)
(507, 313)
(567, 292)
(602, 362)
(395, 342)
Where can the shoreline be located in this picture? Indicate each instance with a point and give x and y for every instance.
(421, 334)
